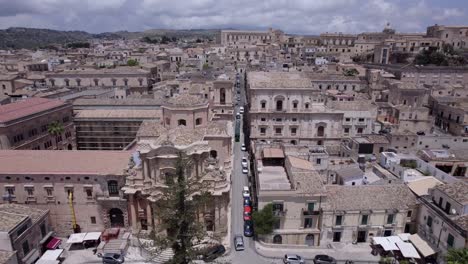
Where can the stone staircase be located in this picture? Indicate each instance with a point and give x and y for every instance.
(163, 257)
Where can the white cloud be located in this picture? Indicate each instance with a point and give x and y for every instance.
(295, 16)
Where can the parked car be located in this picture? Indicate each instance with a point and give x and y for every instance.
(248, 228)
(238, 243)
(324, 259)
(112, 258)
(246, 192)
(244, 162)
(247, 212)
(243, 148)
(245, 170)
(247, 201)
(241, 109)
(293, 259)
(213, 253)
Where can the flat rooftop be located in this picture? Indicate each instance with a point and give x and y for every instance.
(273, 178)
(82, 162)
(27, 107)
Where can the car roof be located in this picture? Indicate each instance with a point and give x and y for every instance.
(292, 255)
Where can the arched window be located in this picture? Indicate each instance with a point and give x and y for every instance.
(320, 131)
(181, 122)
(198, 121)
(263, 104)
(113, 188)
(213, 154)
(279, 105)
(222, 96)
(306, 105)
(277, 239)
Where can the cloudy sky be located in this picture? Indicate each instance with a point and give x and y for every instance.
(292, 16)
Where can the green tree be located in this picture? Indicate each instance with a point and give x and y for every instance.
(55, 128)
(179, 205)
(350, 72)
(132, 62)
(264, 220)
(457, 256)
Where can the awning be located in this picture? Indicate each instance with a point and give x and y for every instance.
(404, 236)
(422, 246)
(76, 238)
(394, 239)
(385, 243)
(407, 250)
(92, 236)
(53, 243)
(51, 254)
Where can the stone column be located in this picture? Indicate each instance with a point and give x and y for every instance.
(133, 214)
(149, 216)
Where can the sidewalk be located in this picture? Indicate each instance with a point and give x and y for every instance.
(357, 253)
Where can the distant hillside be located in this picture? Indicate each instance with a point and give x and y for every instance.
(30, 38)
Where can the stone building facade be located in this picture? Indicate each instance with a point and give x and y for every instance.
(49, 179)
(25, 124)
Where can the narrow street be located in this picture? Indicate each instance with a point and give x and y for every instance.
(239, 180)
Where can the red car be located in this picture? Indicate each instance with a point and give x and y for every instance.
(247, 213)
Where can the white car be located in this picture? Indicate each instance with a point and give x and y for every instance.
(244, 162)
(246, 192)
(243, 148)
(241, 109)
(245, 170)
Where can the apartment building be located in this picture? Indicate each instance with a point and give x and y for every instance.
(355, 214)
(450, 114)
(296, 191)
(290, 107)
(84, 183)
(311, 212)
(443, 217)
(25, 125)
(112, 124)
(456, 36)
(23, 230)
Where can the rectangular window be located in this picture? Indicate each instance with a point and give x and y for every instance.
(294, 119)
(359, 130)
(29, 191)
(364, 219)
(310, 207)
(429, 221)
(93, 220)
(25, 247)
(278, 207)
(263, 119)
(409, 214)
(49, 191)
(450, 240)
(338, 220)
(278, 131)
(293, 131)
(390, 219)
(10, 191)
(21, 230)
(263, 105)
(43, 230)
(89, 193)
(262, 131)
(308, 222)
(346, 130)
(336, 236)
(361, 119)
(447, 207)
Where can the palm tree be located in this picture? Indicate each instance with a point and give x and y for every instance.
(457, 256)
(55, 128)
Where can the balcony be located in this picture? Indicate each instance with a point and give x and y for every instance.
(31, 199)
(279, 213)
(306, 211)
(50, 199)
